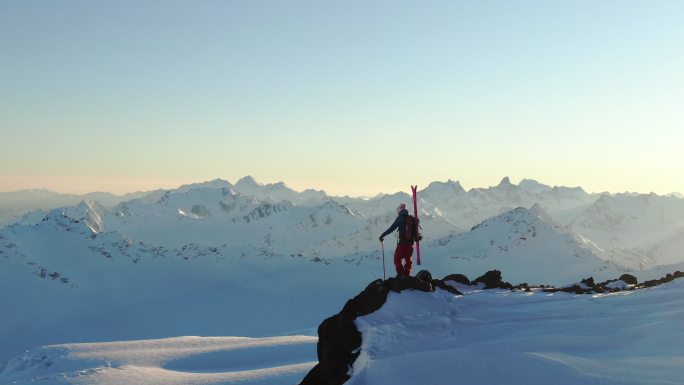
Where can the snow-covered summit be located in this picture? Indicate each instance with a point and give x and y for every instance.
(212, 184)
(247, 183)
(277, 192)
(443, 189)
(89, 213)
(524, 244)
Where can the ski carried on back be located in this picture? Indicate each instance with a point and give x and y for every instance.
(414, 190)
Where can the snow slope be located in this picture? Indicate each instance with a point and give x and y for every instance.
(61, 282)
(503, 337)
(172, 361)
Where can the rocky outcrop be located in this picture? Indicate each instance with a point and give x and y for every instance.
(625, 282)
(339, 341)
(492, 280)
(629, 278)
(665, 279)
(459, 278)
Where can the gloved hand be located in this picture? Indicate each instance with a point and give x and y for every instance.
(381, 238)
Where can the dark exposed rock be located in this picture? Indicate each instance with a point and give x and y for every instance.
(492, 280)
(404, 283)
(338, 347)
(593, 287)
(576, 289)
(524, 286)
(629, 279)
(369, 300)
(460, 278)
(589, 282)
(665, 279)
(442, 285)
(424, 276)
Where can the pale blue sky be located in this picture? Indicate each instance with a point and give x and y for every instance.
(131, 95)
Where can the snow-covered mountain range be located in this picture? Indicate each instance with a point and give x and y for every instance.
(218, 258)
(14, 205)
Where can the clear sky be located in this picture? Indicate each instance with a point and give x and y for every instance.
(353, 97)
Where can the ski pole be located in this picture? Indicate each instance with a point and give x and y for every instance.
(382, 244)
(414, 190)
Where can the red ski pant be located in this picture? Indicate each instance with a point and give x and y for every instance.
(402, 258)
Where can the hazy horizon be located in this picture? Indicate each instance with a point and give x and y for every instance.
(302, 188)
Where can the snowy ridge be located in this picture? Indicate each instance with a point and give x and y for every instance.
(525, 244)
(498, 336)
(90, 212)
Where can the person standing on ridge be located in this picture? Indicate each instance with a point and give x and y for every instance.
(407, 235)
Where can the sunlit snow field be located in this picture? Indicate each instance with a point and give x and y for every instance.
(485, 337)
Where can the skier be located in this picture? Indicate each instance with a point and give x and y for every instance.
(404, 250)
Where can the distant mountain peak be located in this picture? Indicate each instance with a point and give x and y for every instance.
(214, 183)
(449, 186)
(248, 181)
(505, 182)
(542, 214)
(89, 212)
(533, 186)
(278, 186)
(535, 214)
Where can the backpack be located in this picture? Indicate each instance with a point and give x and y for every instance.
(410, 233)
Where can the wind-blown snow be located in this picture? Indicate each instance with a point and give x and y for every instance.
(172, 361)
(503, 337)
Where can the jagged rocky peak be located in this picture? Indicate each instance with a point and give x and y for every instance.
(505, 183)
(86, 207)
(89, 212)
